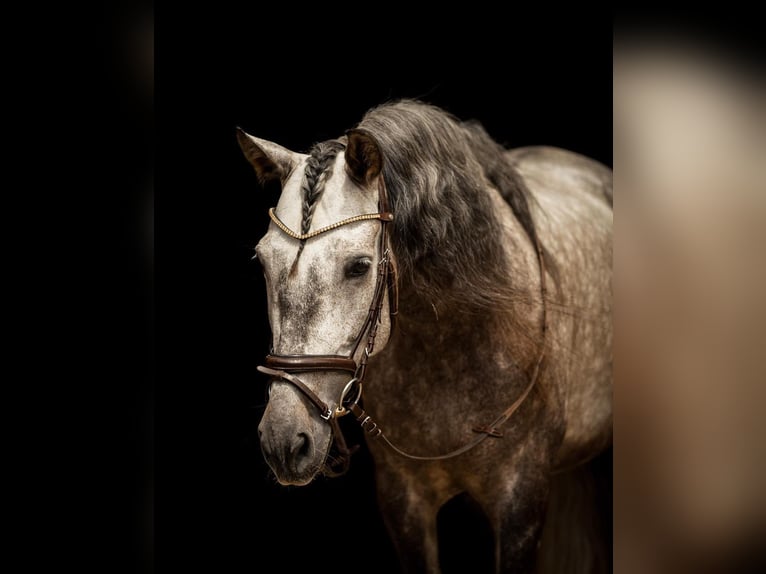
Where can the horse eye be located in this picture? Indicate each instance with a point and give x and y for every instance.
(358, 267)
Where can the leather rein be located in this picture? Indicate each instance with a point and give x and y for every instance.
(284, 367)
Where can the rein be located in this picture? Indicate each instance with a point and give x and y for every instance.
(283, 366)
(490, 430)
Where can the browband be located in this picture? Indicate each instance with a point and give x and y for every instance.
(384, 216)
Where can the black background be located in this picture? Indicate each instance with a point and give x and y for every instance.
(217, 509)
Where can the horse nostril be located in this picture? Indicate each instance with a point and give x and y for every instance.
(288, 453)
(303, 445)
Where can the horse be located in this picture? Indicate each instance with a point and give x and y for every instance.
(453, 297)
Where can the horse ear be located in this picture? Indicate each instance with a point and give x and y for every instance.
(363, 158)
(271, 161)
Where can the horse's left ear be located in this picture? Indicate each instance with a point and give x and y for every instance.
(363, 158)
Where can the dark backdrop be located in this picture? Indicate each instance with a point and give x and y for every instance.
(217, 509)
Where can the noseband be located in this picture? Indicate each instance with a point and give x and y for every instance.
(284, 366)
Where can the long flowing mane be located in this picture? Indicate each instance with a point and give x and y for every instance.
(446, 234)
(437, 169)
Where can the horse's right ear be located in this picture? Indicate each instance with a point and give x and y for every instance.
(271, 161)
(363, 158)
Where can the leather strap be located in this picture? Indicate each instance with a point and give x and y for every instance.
(491, 430)
(393, 289)
(339, 466)
(327, 412)
(300, 363)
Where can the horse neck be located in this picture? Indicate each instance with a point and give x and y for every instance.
(440, 359)
(455, 321)
(435, 329)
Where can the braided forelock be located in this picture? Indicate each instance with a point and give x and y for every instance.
(318, 171)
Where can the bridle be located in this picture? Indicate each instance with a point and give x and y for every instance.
(284, 367)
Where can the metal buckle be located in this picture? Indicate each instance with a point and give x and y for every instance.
(328, 415)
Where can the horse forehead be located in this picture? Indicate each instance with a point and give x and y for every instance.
(340, 199)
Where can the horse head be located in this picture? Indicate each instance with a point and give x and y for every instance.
(325, 259)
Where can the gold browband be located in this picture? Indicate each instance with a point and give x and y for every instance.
(384, 216)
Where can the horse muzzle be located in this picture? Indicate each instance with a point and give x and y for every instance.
(295, 446)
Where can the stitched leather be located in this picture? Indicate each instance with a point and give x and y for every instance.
(302, 363)
(320, 404)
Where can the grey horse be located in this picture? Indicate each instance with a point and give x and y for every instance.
(492, 377)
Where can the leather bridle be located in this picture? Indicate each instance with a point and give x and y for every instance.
(284, 367)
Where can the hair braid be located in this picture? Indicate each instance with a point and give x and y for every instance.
(318, 171)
